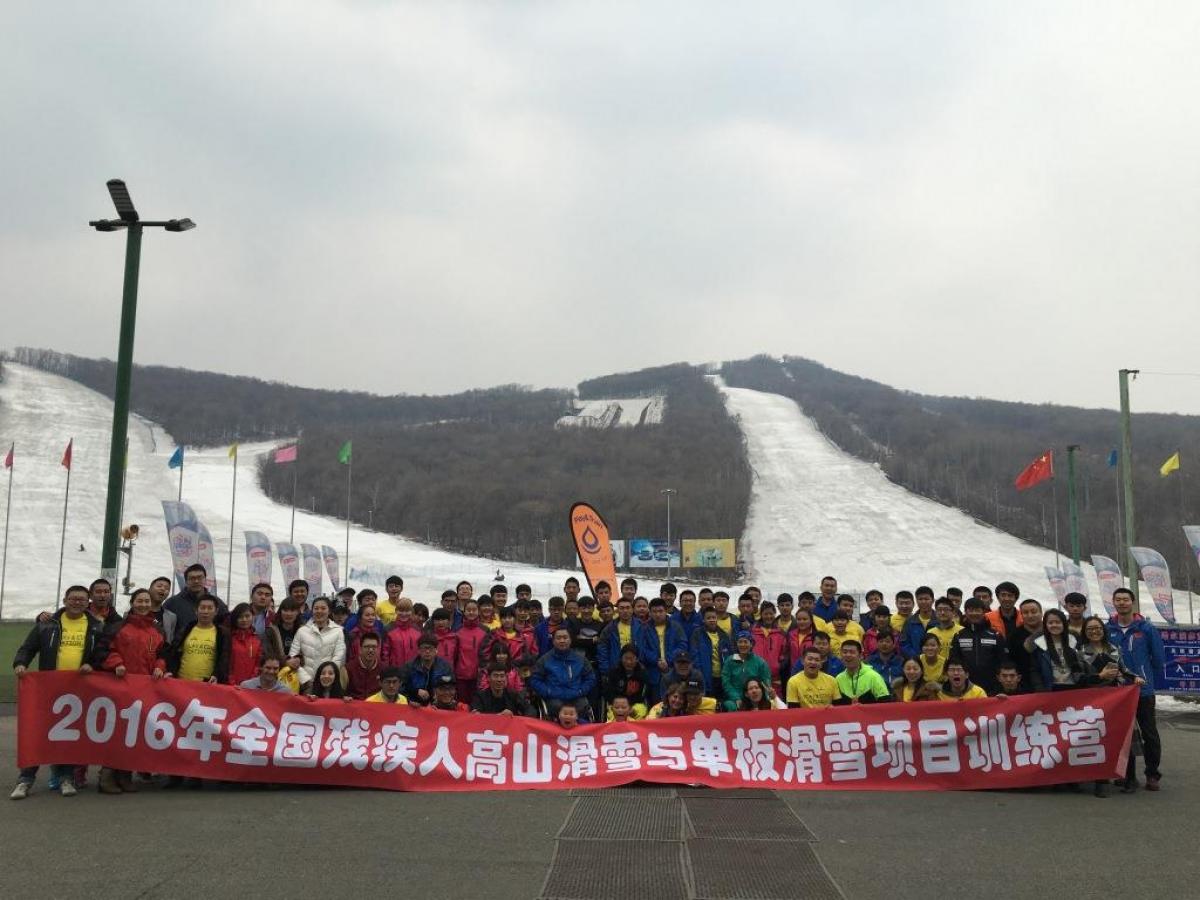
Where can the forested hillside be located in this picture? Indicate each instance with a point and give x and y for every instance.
(965, 452)
(483, 471)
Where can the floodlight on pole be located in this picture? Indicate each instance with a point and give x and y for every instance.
(131, 222)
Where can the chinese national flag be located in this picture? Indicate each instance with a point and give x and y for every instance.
(66, 460)
(1037, 471)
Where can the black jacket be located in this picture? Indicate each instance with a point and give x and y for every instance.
(221, 666)
(44, 639)
(981, 650)
(619, 683)
(487, 702)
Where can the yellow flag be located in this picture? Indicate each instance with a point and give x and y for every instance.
(1170, 465)
(233, 451)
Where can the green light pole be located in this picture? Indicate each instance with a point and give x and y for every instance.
(133, 225)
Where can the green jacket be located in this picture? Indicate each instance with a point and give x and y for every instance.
(735, 672)
(867, 681)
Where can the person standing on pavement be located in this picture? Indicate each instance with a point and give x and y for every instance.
(1142, 652)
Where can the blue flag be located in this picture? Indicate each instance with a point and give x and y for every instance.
(176, 460)
(1112, 458)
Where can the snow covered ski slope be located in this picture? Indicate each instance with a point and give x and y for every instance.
(817, 511)
(41, 412)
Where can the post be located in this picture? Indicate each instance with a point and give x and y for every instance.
(1127, 480)
(1054, 503)
(1073, 502)
(668, 492)
(1117, 524)
(182, 460)
(232, 518)
(62, 547)
(349, 479)
(12, 472)
(120, 426)
(295, 464)
(1187, 556)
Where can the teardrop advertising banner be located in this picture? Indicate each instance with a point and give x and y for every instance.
(590, 533)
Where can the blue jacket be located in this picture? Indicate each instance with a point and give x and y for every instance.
(891, 670)
(1141, 650)
(674, 639)
(608, 646)
(415, 678)
(689, 624)
(545, 637)
(913, 634)
(825, 610)
(563, 675)
(702, 648)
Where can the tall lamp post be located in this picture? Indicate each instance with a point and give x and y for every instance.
(133, 224)
(668, 492)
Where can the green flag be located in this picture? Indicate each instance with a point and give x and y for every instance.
(344, 454)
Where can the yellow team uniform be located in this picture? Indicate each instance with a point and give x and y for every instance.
(812, 693)
(386, 611)
(853, 631)
(935, 671)
(945, 635)
(379, 698)
(198, 661)
(70, 647)
(974, 692)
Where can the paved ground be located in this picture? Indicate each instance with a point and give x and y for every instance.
(338, 843)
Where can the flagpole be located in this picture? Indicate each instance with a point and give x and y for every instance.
(232, 518)
(349, 477)
(295, 467)
(62, 547)
(1187, 564)
(181, 461)
(12, 471)
(1054, 502)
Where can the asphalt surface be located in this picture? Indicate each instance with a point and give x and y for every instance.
(297, 844)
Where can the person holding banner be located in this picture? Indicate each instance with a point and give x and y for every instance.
(1142, 651)
(70, 641)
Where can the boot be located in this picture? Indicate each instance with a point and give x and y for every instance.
(108, 782)
(125, 781)
(1101, 789)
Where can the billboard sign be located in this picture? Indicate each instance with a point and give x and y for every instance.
(649, 554)
(717, 553)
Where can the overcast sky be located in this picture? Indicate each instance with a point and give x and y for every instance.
(994, 199)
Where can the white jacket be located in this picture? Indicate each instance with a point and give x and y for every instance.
(315, 646)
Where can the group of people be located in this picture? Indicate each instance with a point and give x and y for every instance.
(621, 657)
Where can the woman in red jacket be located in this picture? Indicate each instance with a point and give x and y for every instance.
(245, 647)
(137, 648)
(471, 635)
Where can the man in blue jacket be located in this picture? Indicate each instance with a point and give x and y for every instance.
(420, 675)
(826, 604)
(710, 646)
(686, 616)
(665, 639)
(623, 630)
(1142, 651)
(563, 676)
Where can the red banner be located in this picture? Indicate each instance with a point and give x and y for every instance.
(207, 731)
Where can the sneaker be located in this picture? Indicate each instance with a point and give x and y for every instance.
(1129, 786)
(53, 782)
(1152, 782)
(81, 777)
(67, 789)
(21, 791)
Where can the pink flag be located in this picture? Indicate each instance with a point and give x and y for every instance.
(8, 460)
(286, 454)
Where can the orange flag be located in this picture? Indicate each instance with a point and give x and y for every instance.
(590, 532)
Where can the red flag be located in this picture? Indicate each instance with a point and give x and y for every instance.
(287, 454)
(8, 460)
(1037, 471)
(66, 460)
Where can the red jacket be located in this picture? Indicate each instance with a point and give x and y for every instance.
(466, 658)
(797, 644)
(400, 644)
(245, 650)
(363, 682)
(137, 645)
(772, 646)
(447, 646)
(528, 640)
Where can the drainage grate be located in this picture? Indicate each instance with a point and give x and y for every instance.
(727, 794)
(624, 818)
(736, 870)
(647, 793)
(757, 821)
(613, 869)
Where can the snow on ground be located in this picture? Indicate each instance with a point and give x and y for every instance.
(816, 511)
(626, 413)
(41, 412)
